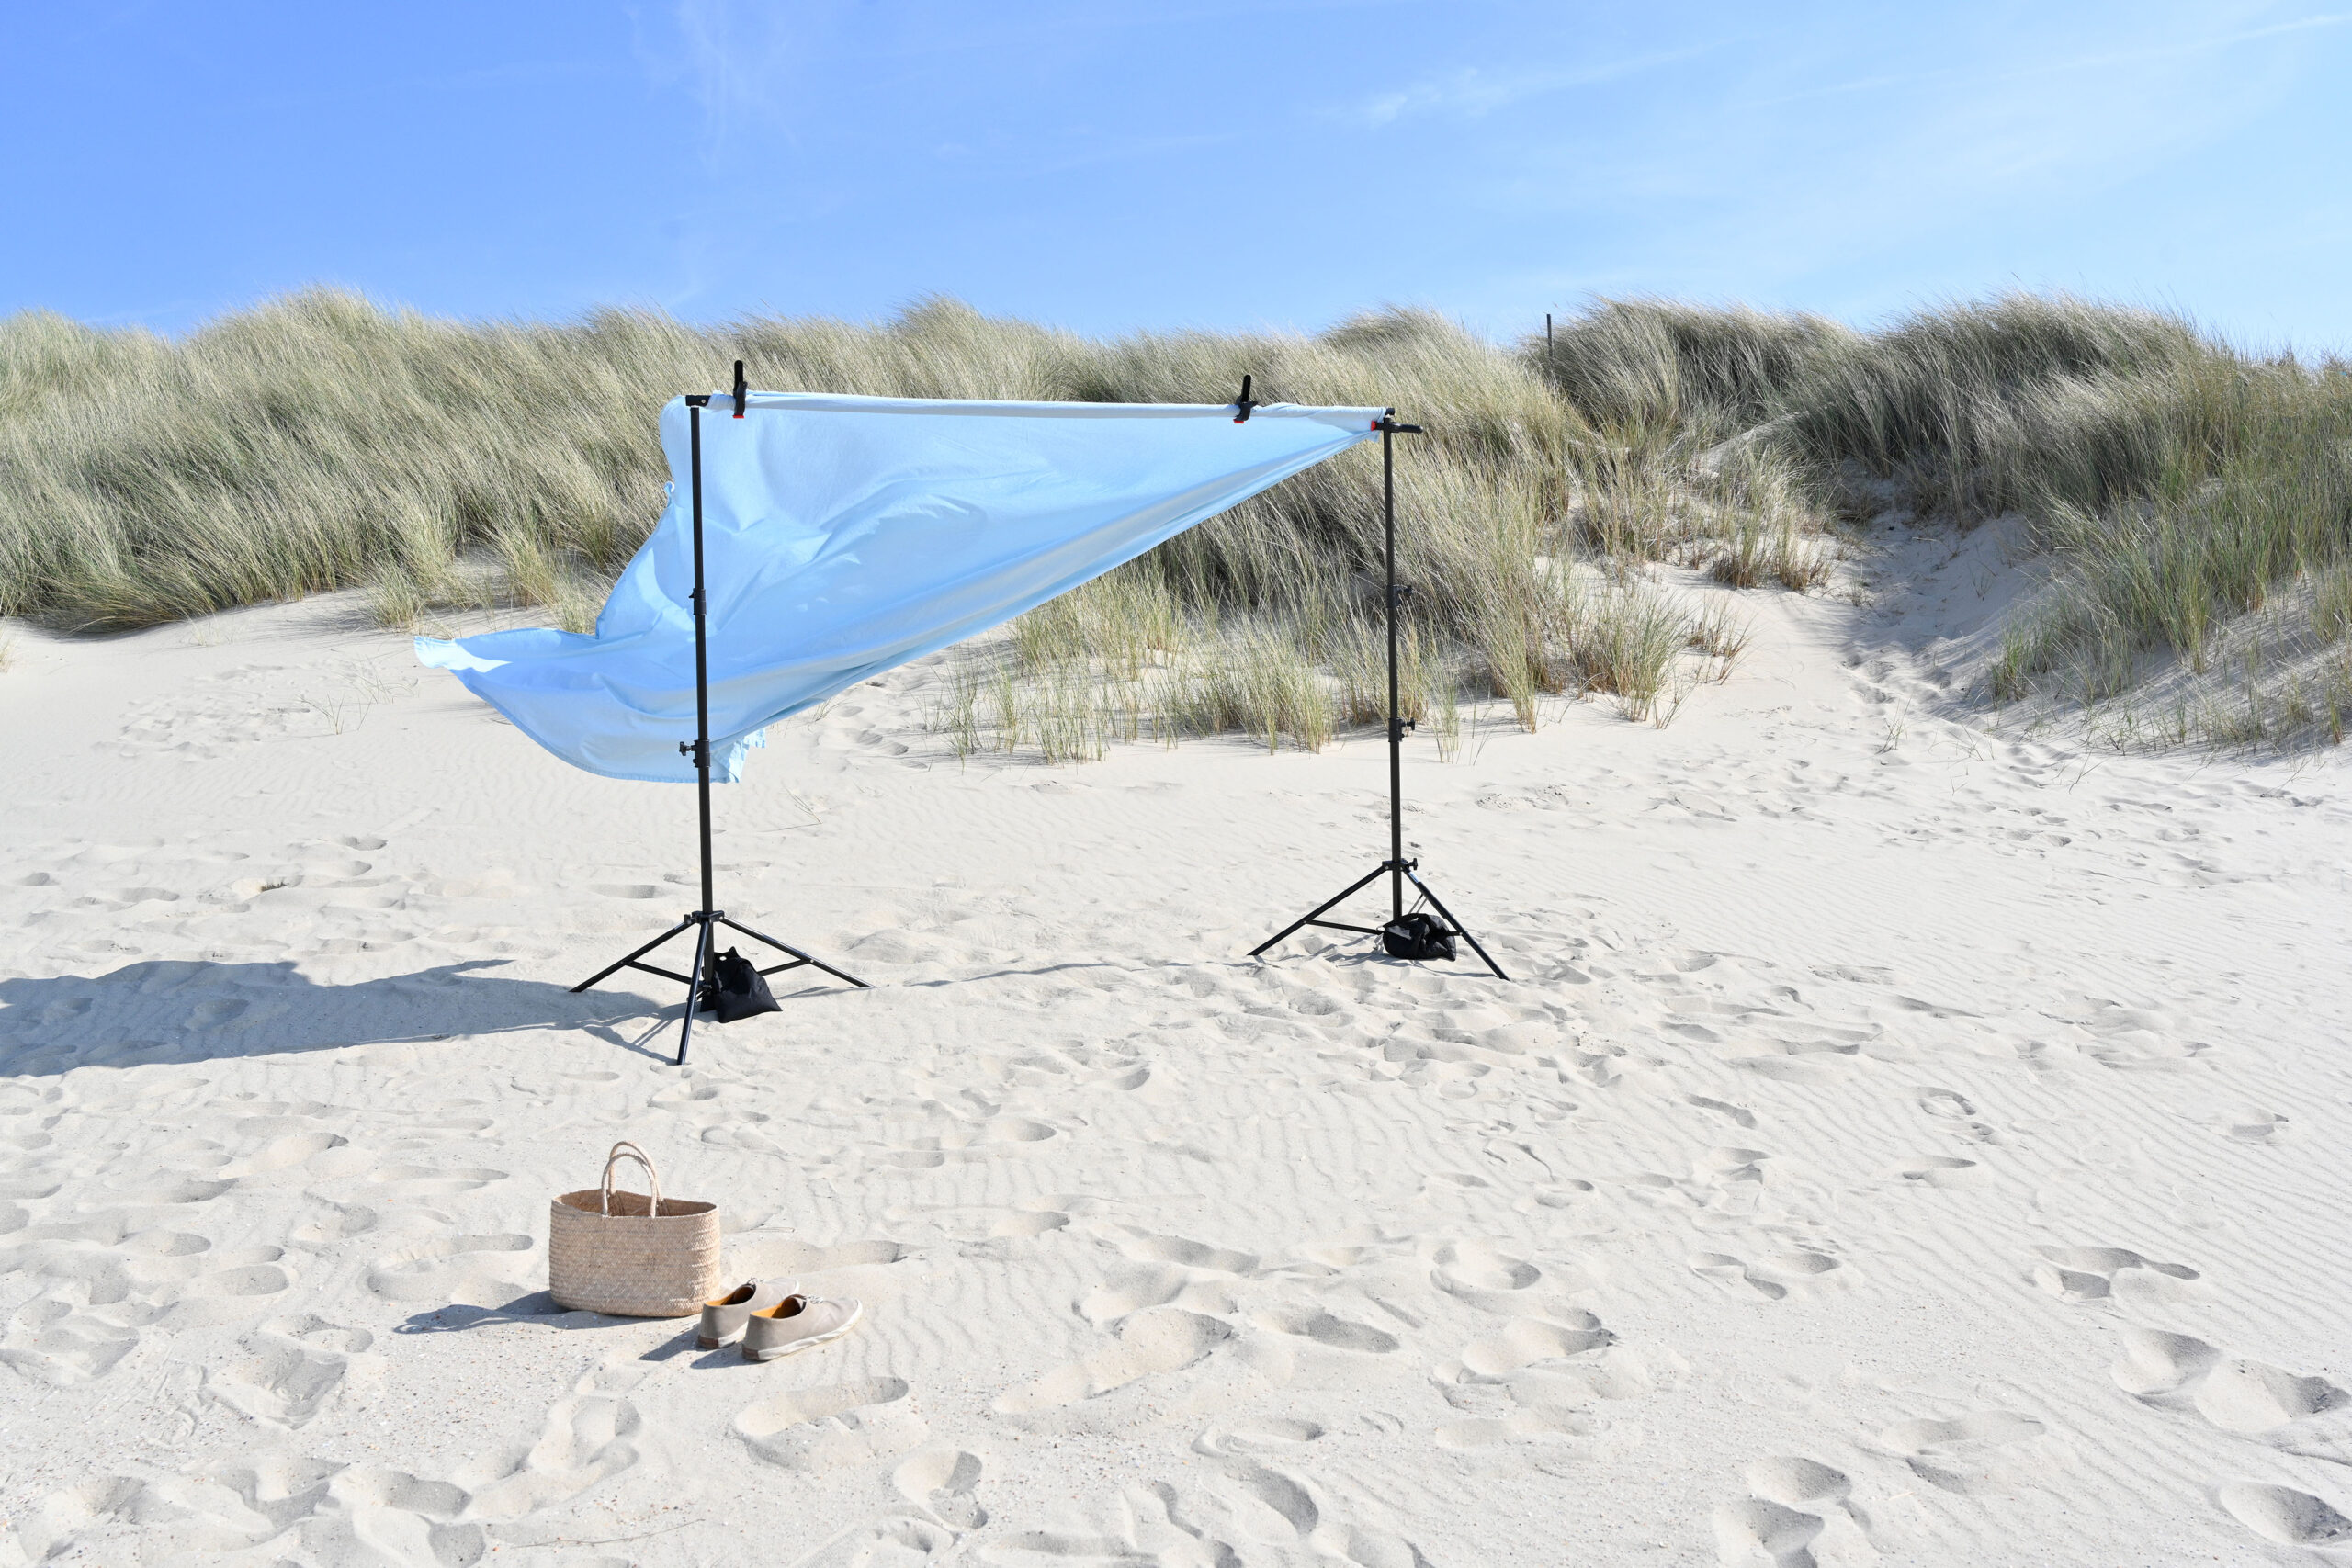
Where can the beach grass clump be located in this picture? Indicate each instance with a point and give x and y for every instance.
(2173, 485)
(319, 442)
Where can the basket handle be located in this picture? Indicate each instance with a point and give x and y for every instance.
(627, 1150)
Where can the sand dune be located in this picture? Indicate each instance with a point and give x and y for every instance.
(1905, 1139)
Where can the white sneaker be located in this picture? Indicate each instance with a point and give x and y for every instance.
(794, 1324)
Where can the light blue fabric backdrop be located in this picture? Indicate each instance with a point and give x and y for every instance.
(844, 536)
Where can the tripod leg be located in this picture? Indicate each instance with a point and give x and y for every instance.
(787, 947)
(1350, 891)
(614, 968)
(1448, 916)
(694, 990)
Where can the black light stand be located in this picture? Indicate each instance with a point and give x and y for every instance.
(1396, 866)
(706, 920)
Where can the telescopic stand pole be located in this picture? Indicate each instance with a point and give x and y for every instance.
(1397, 866)
(706, 920)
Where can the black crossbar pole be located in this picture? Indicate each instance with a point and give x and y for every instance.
(787, 947)
(1309, 918)
(632, 958)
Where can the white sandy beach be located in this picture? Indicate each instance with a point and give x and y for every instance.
(1903, 1141)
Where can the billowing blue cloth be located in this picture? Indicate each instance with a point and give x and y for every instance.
(844, 536)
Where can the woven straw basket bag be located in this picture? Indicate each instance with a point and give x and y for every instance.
(632, 1255)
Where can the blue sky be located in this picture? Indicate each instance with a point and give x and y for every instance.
(1186, 163)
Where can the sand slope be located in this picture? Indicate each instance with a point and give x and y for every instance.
(1902, 1142)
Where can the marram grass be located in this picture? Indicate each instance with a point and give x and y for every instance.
(2175, 487)
(318, 443)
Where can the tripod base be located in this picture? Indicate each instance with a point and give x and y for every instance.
(1401, 870)
(705, 954)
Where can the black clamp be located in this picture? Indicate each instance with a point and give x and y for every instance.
(1397, 728)
(1245, 402)
(740, 395)
(1398, 592)
(691, 749)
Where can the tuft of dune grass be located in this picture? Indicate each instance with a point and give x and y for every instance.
(2175, 486)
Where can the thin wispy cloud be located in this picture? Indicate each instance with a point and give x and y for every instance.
(729, 60)
(2186, 51)
(1470, 91)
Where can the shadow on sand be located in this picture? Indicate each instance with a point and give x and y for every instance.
(538, 1310)
(177, 1010)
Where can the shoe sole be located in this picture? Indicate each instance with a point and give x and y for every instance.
(799, 1345)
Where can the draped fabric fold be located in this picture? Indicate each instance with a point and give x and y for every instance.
(846, 535)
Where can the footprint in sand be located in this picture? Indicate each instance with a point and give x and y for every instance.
(474, 1270)
(770, 1257)
(1027, 1224)
(160, 1189)
(1260, 1436)
(1147, 1248)
(1323, 1328)
(892, 1540)
(584, 1439)
(989, 1140)
(1793, 1505)
(1525, 1341)
(1984, 1452)
(1480, 1266)
(331, 1222)
(290, 1376)
(1771, 1277)
(1953, 1107)
(339, 1513)
(1483, 1276)
(416, 1184)
(941, 1482)
(2238, 1395)
(1756, 1530)
(2249, 1397)
(1726, 1181)
(1738, 1115)
(31, 1181)
(1497, 1417)
(55, 1342)
(1159, 1526)
(2283, 1515)
(1267, 1506)
(1153, 1341)
(227, 1293)
(2252, 1124)
(1535, 1384)
(828, 1427)
(281, 1154)
(1945, 1171)
(1132, 1292)
(1564, 1194)
(2094, 1273)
